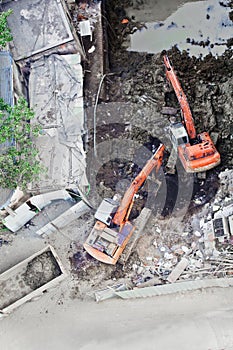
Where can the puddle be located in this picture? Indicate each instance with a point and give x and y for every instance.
(199, 27)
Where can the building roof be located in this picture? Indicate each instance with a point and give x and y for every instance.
(6, 87)
(43, 25)
(6, 77)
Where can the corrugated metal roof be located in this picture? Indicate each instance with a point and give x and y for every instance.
(6, 77)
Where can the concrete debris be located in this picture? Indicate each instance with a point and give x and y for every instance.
(24, 213)
(155, 281)
(177, 271)
(140, 224)
(203, 246)
(109, 292)
(173, 288)
(64, 219)
(169, 110)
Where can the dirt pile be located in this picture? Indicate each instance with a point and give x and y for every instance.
(41, 270)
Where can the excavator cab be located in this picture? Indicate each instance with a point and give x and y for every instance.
(106, 210)
(178, 134)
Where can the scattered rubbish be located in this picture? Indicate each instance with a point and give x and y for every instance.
(3, 241)
(92, 49)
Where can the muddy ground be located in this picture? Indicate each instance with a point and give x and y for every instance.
(133, 93)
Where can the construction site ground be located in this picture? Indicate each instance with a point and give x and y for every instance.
(129, 126)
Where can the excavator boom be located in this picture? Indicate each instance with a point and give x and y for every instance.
(187, 115)
(123, 210)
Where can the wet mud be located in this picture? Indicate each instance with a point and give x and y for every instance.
(139, 78)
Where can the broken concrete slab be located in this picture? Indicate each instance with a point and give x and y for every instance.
(140, 224)
(169, 110)
(29, 279)
(180, 287)
(171, 163)
(23, 214)
(43, 25)
(42, 200)
(64, 219)
(28, 210)
(109, 292)
(177, 271)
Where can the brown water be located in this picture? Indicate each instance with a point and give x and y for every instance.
(199, 27)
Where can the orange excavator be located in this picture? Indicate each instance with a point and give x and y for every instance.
(113, 229)
(196, 151)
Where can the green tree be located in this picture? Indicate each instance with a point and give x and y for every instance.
(5, 33)
(19, 163)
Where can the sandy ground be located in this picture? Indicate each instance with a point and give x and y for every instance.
(201, 320)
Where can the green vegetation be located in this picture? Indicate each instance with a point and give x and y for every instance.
(19, 163)
(5, 33)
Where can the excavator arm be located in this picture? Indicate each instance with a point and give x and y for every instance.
(124, 209)
(197, 152)
(186, 112)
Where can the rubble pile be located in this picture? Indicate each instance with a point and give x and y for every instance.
(198, 248)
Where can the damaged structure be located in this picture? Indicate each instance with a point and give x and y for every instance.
(48, 67)
(19, 217)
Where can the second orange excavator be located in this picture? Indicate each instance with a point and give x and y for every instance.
(113, 229)
(196, 151)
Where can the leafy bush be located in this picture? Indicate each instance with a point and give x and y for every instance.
(19, 163)
(5, 33)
